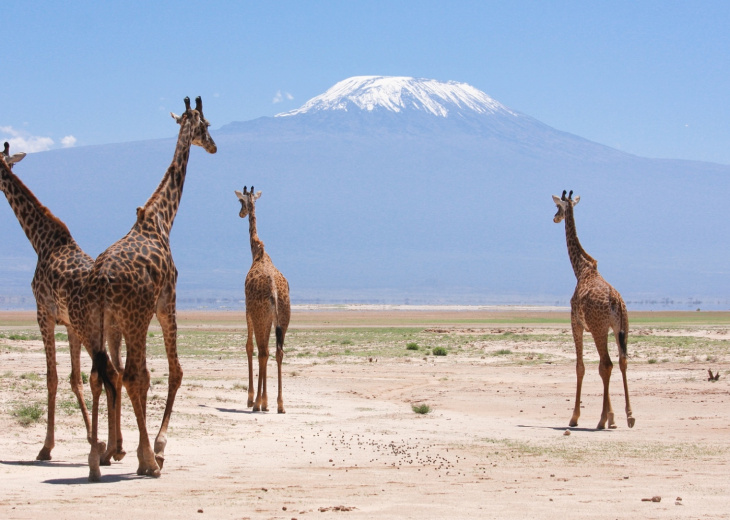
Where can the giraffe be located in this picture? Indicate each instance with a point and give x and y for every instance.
(62, 265)
(267, 303)
(595, 307)
(129, 283)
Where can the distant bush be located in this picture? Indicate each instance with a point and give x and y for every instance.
(439, 351)
(421, 408)
(28, 414)
(412, 346)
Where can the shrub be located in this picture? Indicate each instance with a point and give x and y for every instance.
(421, 408)
(412, 346)
(28, 414)
(439, 351)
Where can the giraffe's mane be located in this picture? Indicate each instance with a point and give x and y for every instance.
(165, 178)
(47, 213)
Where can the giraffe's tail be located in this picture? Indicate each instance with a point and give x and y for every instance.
(275, 308)
(100, 361)
(100, 364)
(618, 304)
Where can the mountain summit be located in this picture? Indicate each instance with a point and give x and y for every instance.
(402, 94)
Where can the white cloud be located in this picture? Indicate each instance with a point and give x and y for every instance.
(281, 96)
(68, 141)
(21, 141)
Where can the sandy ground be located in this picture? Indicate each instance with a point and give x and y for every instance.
(349, 446)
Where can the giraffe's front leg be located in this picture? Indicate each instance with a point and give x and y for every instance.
(47, 325)
(249, 355)
(580, 369)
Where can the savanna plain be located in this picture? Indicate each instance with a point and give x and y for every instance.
(390, 414)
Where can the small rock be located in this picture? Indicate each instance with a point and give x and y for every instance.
(200, 510)
(566, 432)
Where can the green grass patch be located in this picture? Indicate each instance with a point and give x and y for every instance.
(439, 351)
(28, 414)
(421, 409)
(412, 346)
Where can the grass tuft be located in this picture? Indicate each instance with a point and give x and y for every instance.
(28, 414)
(421, 409)
(439, 351)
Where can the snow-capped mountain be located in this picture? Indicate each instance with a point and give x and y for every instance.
(399, 93)
(387, 189)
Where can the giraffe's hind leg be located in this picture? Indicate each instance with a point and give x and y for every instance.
(605, 366)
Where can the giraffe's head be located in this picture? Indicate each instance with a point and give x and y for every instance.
(562, 203)
(198, 125)
(248, 200)
(10, 160)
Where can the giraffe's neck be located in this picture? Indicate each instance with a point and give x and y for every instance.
(257, 246)
(579, 259)
(162, 206)
(44, 230)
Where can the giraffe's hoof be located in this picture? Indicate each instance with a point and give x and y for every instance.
(44, 454)
(612, 426)
(119, 455)
(94, 475)
(249, 404)
(601, 426)
(281, 410)
(573, 423)
(631, 422)
(160, 459)
(148, 472)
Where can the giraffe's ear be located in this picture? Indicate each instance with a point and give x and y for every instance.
(576, 200)
(15, 158)
(177, 118)
(256, 197)
(239, 195)
(557, 200)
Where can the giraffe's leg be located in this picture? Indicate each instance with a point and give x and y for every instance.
(77, 385)
(114, 340)
(580, 368)
(249, 355)
(262, 333)
(166, 316)
(137, 382)
(622, 363)
(97, 448)
(279, 360)
(46, 323)
(605, 367)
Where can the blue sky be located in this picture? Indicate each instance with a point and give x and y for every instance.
(650, 77)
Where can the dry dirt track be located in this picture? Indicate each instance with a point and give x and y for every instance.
(349, 446)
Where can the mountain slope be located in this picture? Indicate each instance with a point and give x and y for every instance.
(400, 201)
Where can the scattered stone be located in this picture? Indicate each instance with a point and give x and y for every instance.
(566, 432)
(200, 510)
(652, 499)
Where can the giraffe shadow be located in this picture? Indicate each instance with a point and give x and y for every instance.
(563, 428)
(46, 463)
(229, 410)
(105, 479)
